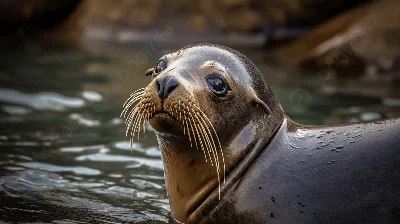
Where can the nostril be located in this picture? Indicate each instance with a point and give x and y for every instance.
(165, 85)
(171, 85)
(158, 86)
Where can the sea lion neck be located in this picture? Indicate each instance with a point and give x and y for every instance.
(188, 177)
(191, 182)
(258, 138)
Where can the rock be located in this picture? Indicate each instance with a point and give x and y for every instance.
(228, 15)
(33, 14)
(364, 39)
(303, 13)
(241, 16)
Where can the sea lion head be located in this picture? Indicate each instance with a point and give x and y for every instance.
(209, 106)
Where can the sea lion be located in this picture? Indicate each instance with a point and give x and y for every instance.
(232, 156)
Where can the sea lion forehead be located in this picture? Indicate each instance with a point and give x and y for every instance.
(197, 56)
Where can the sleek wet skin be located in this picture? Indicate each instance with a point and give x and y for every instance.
(215, 117)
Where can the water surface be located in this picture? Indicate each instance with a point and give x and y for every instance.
(64, 157)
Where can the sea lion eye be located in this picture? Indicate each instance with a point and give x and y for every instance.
(217, 84)
(160, 66)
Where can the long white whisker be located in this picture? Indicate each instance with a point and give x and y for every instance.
(134, 123)
(126, 109)
(137, 92)
(216, 136)
(205, 137)
(202, 139)
(215, 153)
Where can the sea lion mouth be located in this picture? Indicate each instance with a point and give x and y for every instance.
(165, 122)
(162, 113)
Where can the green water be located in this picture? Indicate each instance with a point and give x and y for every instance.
(64, 157)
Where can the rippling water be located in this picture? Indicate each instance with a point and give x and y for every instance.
(64, 157)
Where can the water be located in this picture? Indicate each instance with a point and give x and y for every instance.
(64, 157)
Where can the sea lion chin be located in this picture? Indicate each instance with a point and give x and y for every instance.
(163, 122)
(231, 155)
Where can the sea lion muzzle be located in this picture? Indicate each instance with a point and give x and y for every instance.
(165, 85)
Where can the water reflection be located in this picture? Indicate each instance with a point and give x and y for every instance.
(65, 158)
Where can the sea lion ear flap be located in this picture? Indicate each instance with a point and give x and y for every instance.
(264, 105)
(149, 72)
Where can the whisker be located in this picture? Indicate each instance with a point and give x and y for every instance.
(215, 153)
(184, 128)
(134, 123)
(128, 113)
(139, 125)
(128, 122)
(132, 112)
(137, 91)
(144, 124)
(133, 95)
(131, 116)
(205, 137)
(130, 126)
(126, 109)
(216, 136)
(208, 133)
(211, 146)
(193, 133)
(200, 138)
(188, 132)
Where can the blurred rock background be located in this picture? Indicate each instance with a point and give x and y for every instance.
(332, 35)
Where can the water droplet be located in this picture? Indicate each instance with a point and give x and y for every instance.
(293, 146)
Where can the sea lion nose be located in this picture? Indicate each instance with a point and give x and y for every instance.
(166, 84)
